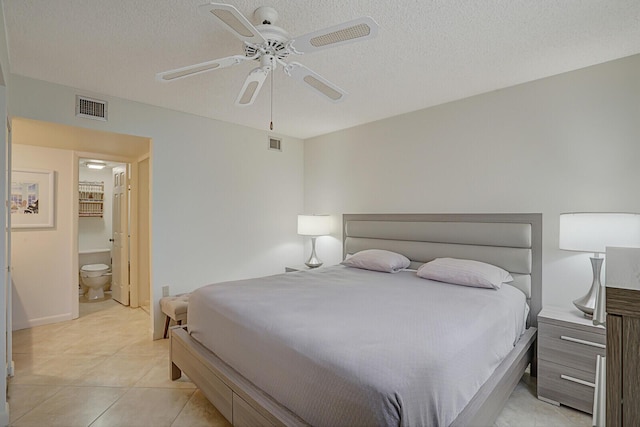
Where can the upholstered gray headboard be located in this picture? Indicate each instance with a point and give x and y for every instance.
(510, 241)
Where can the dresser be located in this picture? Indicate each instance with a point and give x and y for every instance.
(568, 344)
(623, 357)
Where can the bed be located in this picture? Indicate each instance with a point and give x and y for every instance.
(263, 373)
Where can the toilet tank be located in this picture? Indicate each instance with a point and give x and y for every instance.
(94, 256)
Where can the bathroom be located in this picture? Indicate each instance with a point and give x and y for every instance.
(49, 293)
(96, 188)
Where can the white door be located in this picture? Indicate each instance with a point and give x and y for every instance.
(120, 251)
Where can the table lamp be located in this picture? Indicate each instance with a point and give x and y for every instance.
(593, 232)
(314, 226)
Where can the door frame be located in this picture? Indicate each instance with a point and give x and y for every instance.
(143, 249)
(133, 225)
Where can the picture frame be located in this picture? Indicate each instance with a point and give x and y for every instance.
(31, 202)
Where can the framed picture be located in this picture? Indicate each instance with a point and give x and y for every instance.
(31, 201)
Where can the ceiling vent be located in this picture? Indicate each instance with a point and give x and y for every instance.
(275, 144)
(91, 108)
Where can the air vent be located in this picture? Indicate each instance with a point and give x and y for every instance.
(274, 144)
(91, 108)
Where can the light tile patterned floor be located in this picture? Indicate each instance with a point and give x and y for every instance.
(103, 370)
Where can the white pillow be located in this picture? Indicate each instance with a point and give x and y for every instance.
(378, 260)
(464, 272)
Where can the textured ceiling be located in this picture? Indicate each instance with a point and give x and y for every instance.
(426, 52)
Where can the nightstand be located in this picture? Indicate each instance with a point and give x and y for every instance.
(301, 267)
(568, 344)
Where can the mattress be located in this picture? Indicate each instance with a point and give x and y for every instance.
(343, 346)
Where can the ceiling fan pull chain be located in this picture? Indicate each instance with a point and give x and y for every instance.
(271, 123)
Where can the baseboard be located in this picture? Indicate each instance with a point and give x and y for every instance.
(30, 323)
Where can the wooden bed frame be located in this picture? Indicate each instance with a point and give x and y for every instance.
(244, 404)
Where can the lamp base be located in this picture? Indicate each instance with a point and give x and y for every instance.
(587, 303)
(311, 264)
(313, 261)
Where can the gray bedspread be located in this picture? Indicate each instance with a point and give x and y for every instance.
(342, 346)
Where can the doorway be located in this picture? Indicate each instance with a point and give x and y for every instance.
(99, 237)
(56, 147)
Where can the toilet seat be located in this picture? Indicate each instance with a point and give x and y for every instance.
(94, 270)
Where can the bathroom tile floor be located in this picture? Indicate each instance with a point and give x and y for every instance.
(103, 369)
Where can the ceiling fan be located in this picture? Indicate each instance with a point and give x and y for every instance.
(271, 45)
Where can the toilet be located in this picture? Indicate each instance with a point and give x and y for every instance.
(94, 277)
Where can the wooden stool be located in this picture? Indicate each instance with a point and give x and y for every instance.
(174, 308)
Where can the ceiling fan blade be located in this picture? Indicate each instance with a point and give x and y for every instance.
(251, 87)
(203, 67)
(234, 21)
(348, 32)
(315, 81)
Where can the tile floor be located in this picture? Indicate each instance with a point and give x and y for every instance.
(103, 370)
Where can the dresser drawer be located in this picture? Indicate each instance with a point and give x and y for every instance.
(569, 386)
(570, 347)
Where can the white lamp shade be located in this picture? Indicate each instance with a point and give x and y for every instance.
(623, 268)
(593, 232)
(314, 225)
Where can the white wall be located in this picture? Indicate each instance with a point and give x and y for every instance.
(223, 205)
(95, 232)
(41, 256)
(561, 144)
